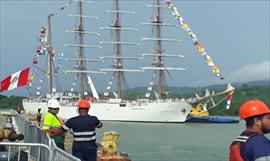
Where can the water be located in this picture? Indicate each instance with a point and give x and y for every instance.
(174, 142)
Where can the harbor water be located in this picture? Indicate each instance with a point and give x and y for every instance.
(174, 142)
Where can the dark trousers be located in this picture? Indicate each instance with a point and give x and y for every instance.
(39, 119)
(85, 152)
(59, 141)
(60, 145)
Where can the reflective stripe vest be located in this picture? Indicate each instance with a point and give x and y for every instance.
(238, 146)
(51, 121)
(83, 128)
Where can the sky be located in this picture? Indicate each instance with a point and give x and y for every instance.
(234, 33)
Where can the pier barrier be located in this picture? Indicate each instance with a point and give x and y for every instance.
(15, 151)
(37, 144)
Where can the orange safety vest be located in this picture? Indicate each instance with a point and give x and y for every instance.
(238, 146)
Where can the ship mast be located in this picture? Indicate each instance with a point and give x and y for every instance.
(81, 58)
(158, 52)
(50, 57)
(118, 63)
(82, 76)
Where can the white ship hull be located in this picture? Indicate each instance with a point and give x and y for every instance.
(155, 111)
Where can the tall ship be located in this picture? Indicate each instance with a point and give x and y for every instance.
(113, 106)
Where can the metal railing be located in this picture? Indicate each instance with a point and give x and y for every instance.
(33, 135)
(24, 151)
(61, 155)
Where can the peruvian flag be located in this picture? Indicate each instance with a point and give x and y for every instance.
(15, 80)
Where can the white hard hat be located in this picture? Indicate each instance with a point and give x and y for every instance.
(53, 103)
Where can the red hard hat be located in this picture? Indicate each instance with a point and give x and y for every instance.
(253, 108)
(84, 104)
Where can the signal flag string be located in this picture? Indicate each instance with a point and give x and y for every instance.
(195, 39)
(200, 48)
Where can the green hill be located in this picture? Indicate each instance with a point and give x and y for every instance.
(242, 94)
(11, 102)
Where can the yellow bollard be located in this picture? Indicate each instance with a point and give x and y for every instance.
(110, 143)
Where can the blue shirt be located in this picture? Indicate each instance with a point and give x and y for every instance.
(83, 128)
(257, 149)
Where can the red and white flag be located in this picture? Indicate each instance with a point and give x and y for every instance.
(15, 80)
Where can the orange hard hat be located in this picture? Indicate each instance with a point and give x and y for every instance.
(84, 104)
(253, 108)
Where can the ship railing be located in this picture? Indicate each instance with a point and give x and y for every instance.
(142, 102)
(34, 135)
(38, 99)
(71, 102)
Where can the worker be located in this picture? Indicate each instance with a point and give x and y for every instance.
(18, 110)
(252, 145)
(38, 116)
(83, 129)
(52, 121)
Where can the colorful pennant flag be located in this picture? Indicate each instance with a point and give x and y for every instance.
(150, 86)
(43, 34)
(35, 59)
(194, 38)
(61, 9)
(108, 88)
(31, 78)
(41, 50)
(229, 96)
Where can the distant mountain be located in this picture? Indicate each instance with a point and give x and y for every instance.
(10, 102)
(192, 90)
(260, 83)
(2, 97)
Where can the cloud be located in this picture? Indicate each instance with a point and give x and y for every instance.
(252, 72)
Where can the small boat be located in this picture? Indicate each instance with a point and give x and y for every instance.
(199, 114)
(212, 119)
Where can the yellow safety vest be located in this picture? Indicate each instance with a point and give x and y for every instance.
(52, 121)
